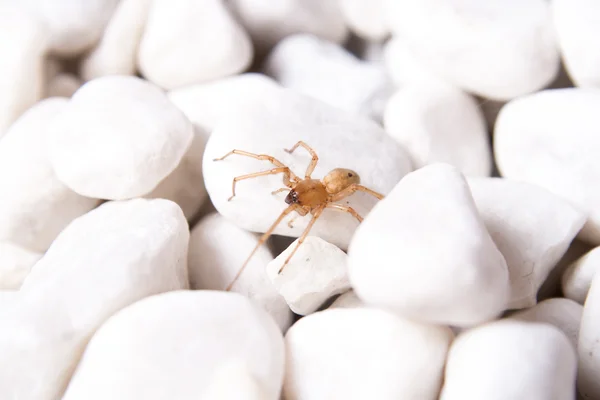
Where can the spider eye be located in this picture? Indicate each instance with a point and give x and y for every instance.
(349, 175)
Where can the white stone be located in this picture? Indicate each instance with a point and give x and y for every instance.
(347, 300)
(317, 271)
(440, 124)
(425, 253)
(366, 18)
(191, 42)
(510, 359)
(118, 138)
(62, 85)
(532, 228)
(22, 45)
(551, 139)
(364, 354)
(576, 24)
(212, 264)
(326, 71)
(102, 262)
(185, 185)
(562, 313)
(577, 278)
(269, 22)
(176, 345)
(116, 52)
(497, 49)
(276, 121)
(589, 340)
(233, 381)
(34, 205)
(15, 264)
(73, 25)
(205, 104)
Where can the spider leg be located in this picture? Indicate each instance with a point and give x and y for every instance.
(354, 188)
(262, 240)
(273, 161)
(301, 213)
(286, 178)
(279, 190)
(313, 162)
(316, 215)
(347, 209)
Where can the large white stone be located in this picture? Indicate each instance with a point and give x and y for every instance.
(15, 264)
(34, 205)
(424, 252)
(268, 22)
(326, 71)
(317, 271)
(576, 24)
(532, 228)
(497, 49)
(118, 138)
(102, 262)
(185, 185)
(218, 248)
(563, 313)
(364, 354)
(511, 359)
(347, 300)
(192, 41)
(116, 52)
(438, 123)
(22, 47)
(73, 25)
(366, 18)
(589, 343)
(176, 345)
(551, 139)
(276, 121)
(577, 278)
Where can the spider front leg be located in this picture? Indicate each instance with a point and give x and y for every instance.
(264, 157)
(354, 188)
(286, 178)
(316, 215)
(313, 162)
(301, 213)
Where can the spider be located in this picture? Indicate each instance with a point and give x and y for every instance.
(304, 196)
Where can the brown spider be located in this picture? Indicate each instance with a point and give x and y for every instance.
(305, 195)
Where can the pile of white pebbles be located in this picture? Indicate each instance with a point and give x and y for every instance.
(472, 279)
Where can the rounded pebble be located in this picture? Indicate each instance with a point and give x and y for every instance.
(347, 300)
(510, 359)
(589, 342)
(118, 138)
(191, 42)
(438, 123)
(578, 276)
(551, 139)
(425, 253)
(317, 271)
(366, 19)
(15, 264)
(212, 265)
(364, 354)
(195, 337)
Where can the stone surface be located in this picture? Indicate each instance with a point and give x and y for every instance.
(497, 49)
(425, 253)
(366, 19)
(34, 206)
(62, 85)
(15, 264)
(116, 52)
(191, 42)
(102, 262)
(577, 278)
(118, 138)
(176, 345)
(563, 313)
(317, 271)
(510, 359)
(347, 300)
(326, 71)
(438, 123)
(277, 120)
(213, 263)
(589, 343)
(364, 354)
(550, 139)
(532, 228)
(577, 30)
(22, 45)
